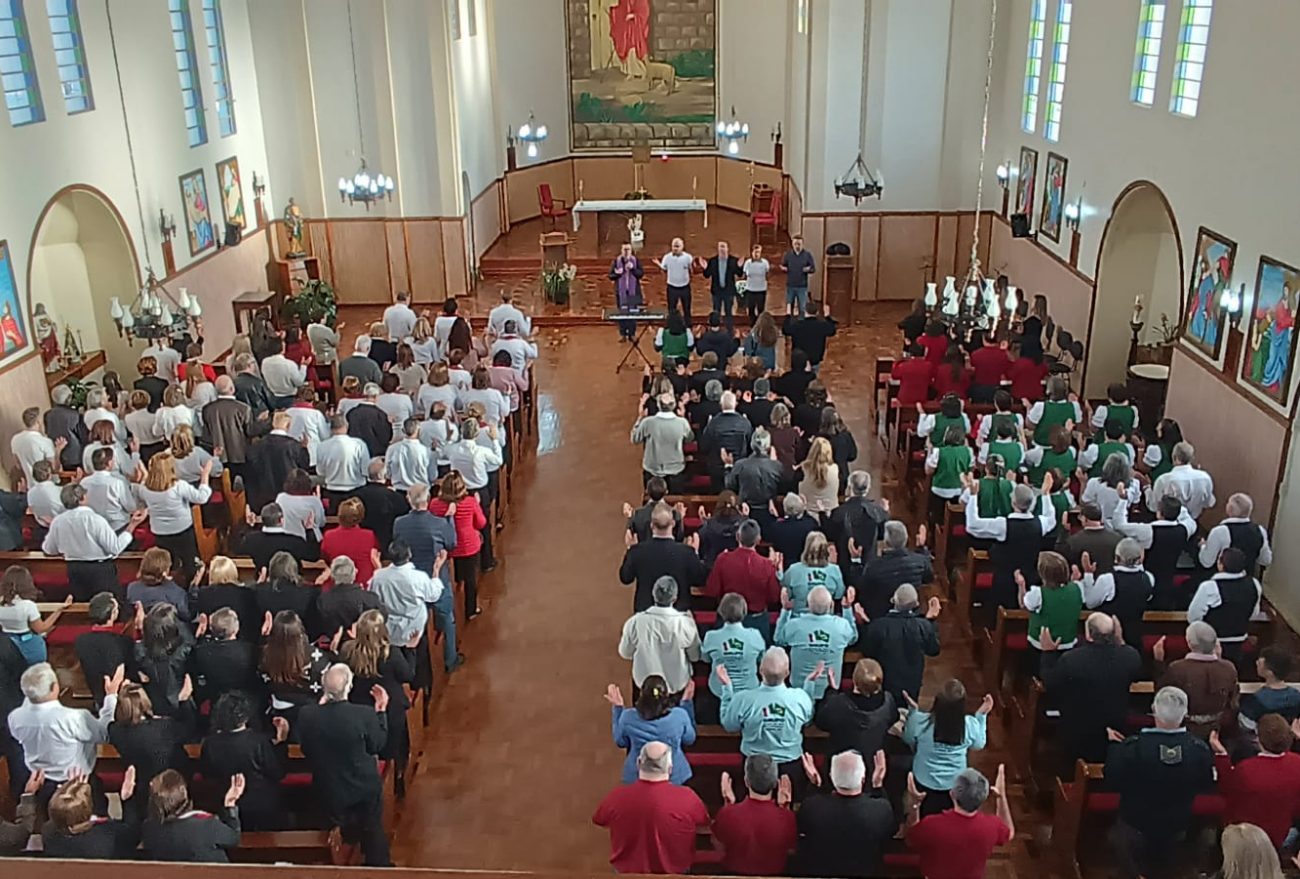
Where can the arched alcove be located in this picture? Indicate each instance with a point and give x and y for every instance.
(1140, 261)
(81, 257)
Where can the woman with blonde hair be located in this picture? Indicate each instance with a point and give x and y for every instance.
(199, 390)
(74, 831)
(175, 411)
(169, 499)
(241, 344)
(190, 457)
(374, 662)
(103, 435)
(820, 480)
(225, 588)
(1248, 853)
(383, 349)
(437, 388)
(142, 423)
(424, 345)
(816, 567)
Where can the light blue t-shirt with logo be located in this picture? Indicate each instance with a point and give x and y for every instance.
(739, 649)
(800, 579)
(814, 638)
(770, 720)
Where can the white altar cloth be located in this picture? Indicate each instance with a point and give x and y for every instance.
(644, 205)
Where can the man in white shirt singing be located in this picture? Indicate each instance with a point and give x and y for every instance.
(677, 265)
(399, 318)
(30, 444)
(1192, 486)
(89, 545)
(508, 311)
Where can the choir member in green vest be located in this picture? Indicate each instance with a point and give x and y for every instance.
(1058, 454)
(1060, 408)
(1002, 414)
(947, 464)
(1061, 497)
(1054, 607)
(1092, 458)
(1005, 443)
(675, 339)
(1116, 408)
(994, 496)
(936, 425)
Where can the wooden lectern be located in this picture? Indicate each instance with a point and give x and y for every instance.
(555, 248)
(840, 273)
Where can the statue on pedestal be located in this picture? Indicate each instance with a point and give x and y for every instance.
(47, 337)
(293, 227)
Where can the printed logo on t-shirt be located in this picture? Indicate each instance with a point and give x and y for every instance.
(774, 710)
(1171, 755)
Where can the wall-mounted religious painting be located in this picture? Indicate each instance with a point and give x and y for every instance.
(1271, 339)
(1203, 323)
(1053, 197)
(15, 339)
(198, 219)
(1027, 182)
(642, 72)
(232, 193)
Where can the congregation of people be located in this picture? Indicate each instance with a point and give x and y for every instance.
(373, 483)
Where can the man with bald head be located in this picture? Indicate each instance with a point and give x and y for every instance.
(652, 822)
(341, 740)
(677, 267)
(228, 423)
(901, 640)
(646, 561)
(770, 718)
(1237, 531)
(1089, 684)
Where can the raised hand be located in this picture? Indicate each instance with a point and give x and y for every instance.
(693, 541)
(728, 789)
(336, 640)
(784, 791)
(786, 601)
(235, 791)
(860, 615)
(1216, 744)
(999, 787)
(855, 551)
(1158, 649)
(1020, 579)
(187, 689)
(933, 607)
(629, 538)
(810, 770)
(913, 792)
(850, 595)
(818, 670)
(281, 727)
(380, 695)
(614, 696)
(114, 683)
(1089, 567)
(266, 622)
(911, 703)
(879, 767)
(921, 534)
(1046, 642)
(627, 510)
(689, 693)
(1114, 735)
(128, 783)
(986, 705)
(724, 677)
(34, 782)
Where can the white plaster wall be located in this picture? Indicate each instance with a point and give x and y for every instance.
(531, 73)
(482, 147)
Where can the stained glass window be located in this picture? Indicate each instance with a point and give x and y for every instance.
(1056, 73)
(1193, 40)
(1151, 28)
(17, 72)
(1034, 65)
(188, 68)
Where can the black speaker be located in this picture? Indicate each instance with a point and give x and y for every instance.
(1020, 226)
(234, 234)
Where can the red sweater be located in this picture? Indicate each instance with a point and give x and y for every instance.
(991, 364)
(914, 378)
(944, 383)
(936, 347)
(1263, 790)
(469, 522)
(1027, 379)
(354, 542)
(747, 573)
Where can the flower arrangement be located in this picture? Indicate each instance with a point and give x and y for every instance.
(556, 279)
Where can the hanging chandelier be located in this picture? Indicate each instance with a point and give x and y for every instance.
(858, 182)
(363, 187)
(732, 133)
(532, 134)
(156, 314)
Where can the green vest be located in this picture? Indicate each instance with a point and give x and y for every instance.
(1059, 613)
(1054, 413)
(1063, 461)
(997, 419)
(994, 499)
(1012, 454)
(1062, 505)
(941, 425)
(1125, 415)
(1104, 451)
(1166, 462)
(953, 462)
(675, 345)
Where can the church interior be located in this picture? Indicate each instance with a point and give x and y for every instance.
(961, 255)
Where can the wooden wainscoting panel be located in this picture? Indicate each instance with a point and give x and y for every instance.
(428, 279)
(673, 179)
(317, 235)
(454, 265)
(521, 188)
(603, 177)
(906, 252)
(361, 275)
(868, 251)
(398, 269)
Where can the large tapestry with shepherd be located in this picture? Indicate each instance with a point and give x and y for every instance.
(642, 72)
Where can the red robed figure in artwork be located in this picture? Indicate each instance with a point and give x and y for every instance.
(629, 26)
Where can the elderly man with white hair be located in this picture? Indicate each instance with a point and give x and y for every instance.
(858, 519)
(897, 565)
(1193, 487)
(817, 638)
(652, 823)
(725, 439)
(359, 364)
(1124, 591)
(661, 640)
(341, 461)
(369, 423)
(229, 424)
(757, 479)
(960, 840)
(1158, 773)
(58, 740)
(1208, 681)
(1090, 686)
(1239, 532)
(341, 740)
(97, 409)
(843, 831)
(901, 640)
(770, 718)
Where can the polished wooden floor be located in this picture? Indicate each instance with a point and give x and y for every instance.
(520, 751)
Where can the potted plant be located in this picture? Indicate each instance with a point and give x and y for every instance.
(1161, 351)
(556, 280)
(313, 303)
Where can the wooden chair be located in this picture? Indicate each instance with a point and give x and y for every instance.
(552, 208)
(769, 219)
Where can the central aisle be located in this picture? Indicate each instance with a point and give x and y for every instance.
(519, 751)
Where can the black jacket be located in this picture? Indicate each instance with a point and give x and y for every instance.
(340, 741)
(647, 561)
(809, 335)
(383, 505)
(251, 389)
(726, 430)
(260, 545)
(862, 519)
(788, 536)
(756, 481)
(263, 764)
(270, 461)
(152, 746)
(844, 836)
(273, 597)
(881, 576)
(719, 341)
(856, 722)
(196, 837)
(105, 840)
(239, 598)
(100, 652)
(370, 424)
(343, 605)
(1089, 685)
(222, 666)
(900, 641)
(153, 385)
(726, 285)
(792, 385)
(1158, 774)
(639, 522)
(66, 422)
(1099, 543)
(702, 377)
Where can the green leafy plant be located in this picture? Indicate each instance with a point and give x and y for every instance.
(314, 303)
(556, 281)
(592, 109)
(79, 390)
(694, 64)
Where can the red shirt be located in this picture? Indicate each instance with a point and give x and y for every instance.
(298, 351)
(354, 542)
(757, 836)
(914, 378)
(957, 846)
(469, 522)
(747, 573)
(944, 383)
(208, 372)
(651, 826)
(936, 347)
(1027, 379)
(991, 364)
(1263, 790)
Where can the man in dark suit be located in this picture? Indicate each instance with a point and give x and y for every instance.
(1096, 538)
(260, 544)
(808, 333)
(383, 504)
(661, 556)
(859, 518)
(901, 640)
(370, 424)
(722, 271)
(1089, 684)
(63, 421)
(228, 423)
(271, 460)
(223, 661)
(249, 386)
(894, 567)
(340, 741)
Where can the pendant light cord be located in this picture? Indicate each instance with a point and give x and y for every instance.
(975, 273)
(356, 89)
(130, 149)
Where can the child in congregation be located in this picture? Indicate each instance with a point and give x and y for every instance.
(951, 413)
(1005, 443)
(1114, 441)
(1116, 408)
(947, 464)
(1275, 667)
(994, 496)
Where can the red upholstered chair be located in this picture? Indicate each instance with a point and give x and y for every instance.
(767, 219)
(552, 208)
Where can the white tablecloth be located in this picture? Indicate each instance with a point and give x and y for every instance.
(640, 206)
